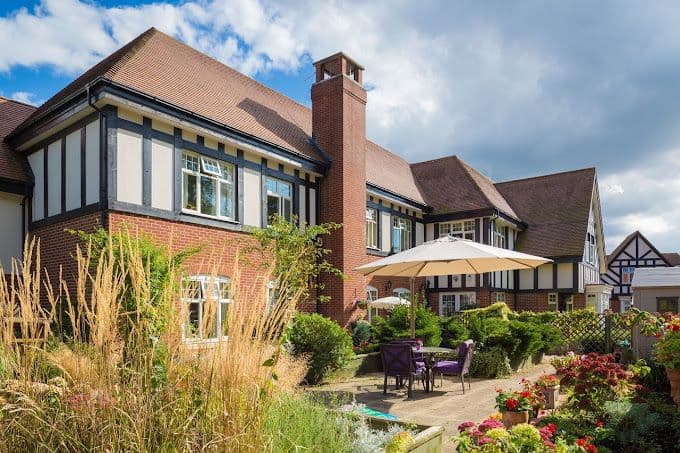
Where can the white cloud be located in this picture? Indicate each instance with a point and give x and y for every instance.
(26, 98)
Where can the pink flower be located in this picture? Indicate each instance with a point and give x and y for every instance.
(465, 425)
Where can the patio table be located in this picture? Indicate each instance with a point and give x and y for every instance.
(429, 353)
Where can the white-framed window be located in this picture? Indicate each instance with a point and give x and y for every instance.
(401, 234)
(464, 229)
(498, 236)
(206, 299)
(450, 303)
(591, 249)
(553, 304)
(404, 293)
(209, 191)
(625, 304)
(569, 303)
(500, 297)
(271, 294)
(279, 198)
(371, 228)
(371, 292)
(627, 275)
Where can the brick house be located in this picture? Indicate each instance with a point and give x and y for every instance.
(635, 251)
(161, 137)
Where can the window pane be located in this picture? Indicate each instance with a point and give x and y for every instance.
(192, 329)
(287, 209)
(271, 185)
(189, 192)
(226, 200)
(227, 172)
(284, 189)
(211, 166)
(224, 317)
(272, 206)
(190, 162)
(208, 201)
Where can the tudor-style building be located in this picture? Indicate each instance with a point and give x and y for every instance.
(633, 252)
(164, 139)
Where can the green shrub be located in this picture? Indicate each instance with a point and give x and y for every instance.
(361, 333)
(427, 325)
(297, 423)
(454, 332)
(530, 339)
(551, 336)
(492, 363)
(326, 345)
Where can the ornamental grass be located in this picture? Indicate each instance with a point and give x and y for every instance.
(119, 377)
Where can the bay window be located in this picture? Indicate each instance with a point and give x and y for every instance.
(206, 303)
(207, 186)
(279, 199)
(372, 228)
(401, 234)
(498, 236)
(464, 229)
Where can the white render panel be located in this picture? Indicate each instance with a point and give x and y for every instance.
(11, 245)
(73, 171)
(162, 177)
(526, 279)
(301, 208)
(545, 274)
(385, 231)
(252, 197)
(420, 233)
(129, 165)
(443, 281)
(471, 280)
(429, 232)
(456, 281)
(37, 163)
(565, 275)
(312, 207)
(643, 248)
(92, 163)
(54, 178)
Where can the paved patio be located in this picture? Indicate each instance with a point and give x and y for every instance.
(446, 406)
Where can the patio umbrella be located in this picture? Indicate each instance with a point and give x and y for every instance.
(386, 303)
(447, 256)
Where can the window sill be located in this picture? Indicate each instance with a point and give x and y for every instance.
(376, 252)
(211, 217)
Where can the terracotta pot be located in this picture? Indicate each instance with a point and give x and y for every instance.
(511, 418)
(551, 395)
(674, 379)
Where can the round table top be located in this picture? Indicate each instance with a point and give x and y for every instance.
(434, 350)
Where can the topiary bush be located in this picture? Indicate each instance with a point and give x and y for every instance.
(398, 325)
(325, 344)
(491, 363)
(361, 333)
(454, 332)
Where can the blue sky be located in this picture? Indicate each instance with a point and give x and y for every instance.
(514, 88)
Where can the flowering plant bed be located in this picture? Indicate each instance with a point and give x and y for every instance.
(514, 401)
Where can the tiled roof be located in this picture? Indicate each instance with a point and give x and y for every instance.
(555, 208)
(672, 258)
(389, 171)
(163, 67)
(12, 165)
(159, 65)
(450, 185)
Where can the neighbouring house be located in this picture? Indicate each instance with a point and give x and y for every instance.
(656, 290)
(161, 138)
(634, 252)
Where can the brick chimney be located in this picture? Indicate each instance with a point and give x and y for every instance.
(339, 129)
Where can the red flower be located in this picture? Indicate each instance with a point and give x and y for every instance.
(525, 394)
(600, 424)
(465, 425)
(511, 404)
(552, 428)
(581, 442)
(590, 448)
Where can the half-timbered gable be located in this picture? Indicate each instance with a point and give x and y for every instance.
(635, 251)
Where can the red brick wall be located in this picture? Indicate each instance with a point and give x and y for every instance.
(339, 128)
(531, 301)
(219, 248)
(58, 249)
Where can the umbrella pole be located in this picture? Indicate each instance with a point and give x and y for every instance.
(413, 308)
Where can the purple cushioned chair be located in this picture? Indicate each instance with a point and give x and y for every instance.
(417, 356)
(459, 367)
(398, 361)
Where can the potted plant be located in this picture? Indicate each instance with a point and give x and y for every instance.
(549, 386)
(667, 353)
(514, 406)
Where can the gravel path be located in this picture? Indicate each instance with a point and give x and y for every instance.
(446, 406)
